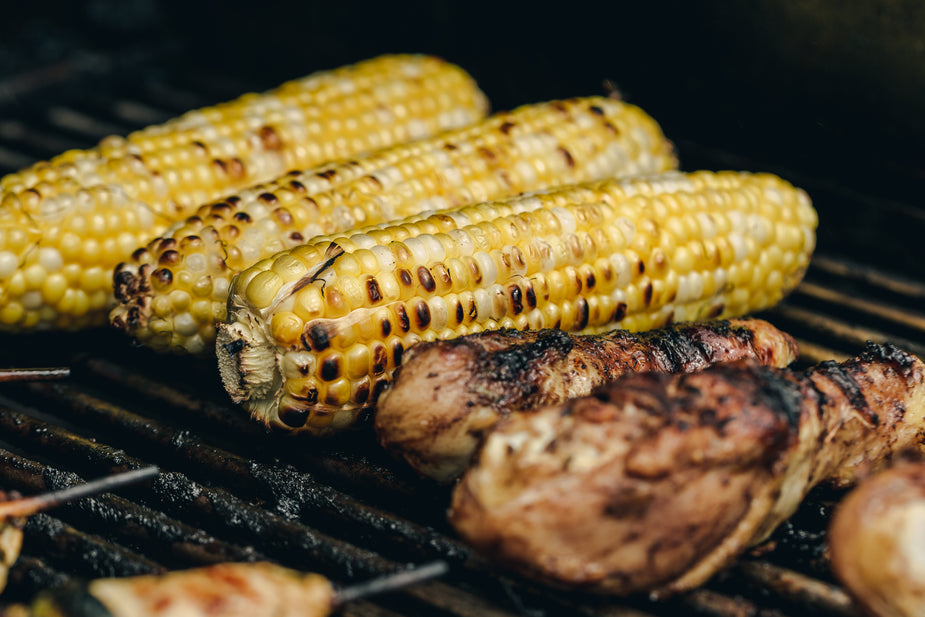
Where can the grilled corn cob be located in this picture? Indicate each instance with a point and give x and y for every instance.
(66, 223)
(314, 333)
(174, 290)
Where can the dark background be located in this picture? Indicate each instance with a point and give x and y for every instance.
(824, 92)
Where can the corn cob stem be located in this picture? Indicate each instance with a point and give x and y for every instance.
(314, 333)
(174, 290)
(66, 223)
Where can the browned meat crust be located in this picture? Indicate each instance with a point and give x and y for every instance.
(656, 482)
(877, 544)
(447, 394)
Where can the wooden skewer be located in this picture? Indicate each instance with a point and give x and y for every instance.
(34, 374)
(27, 506)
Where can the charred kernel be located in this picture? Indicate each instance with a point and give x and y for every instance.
(296, 237)
(610, 127)
(422, 315)
(297, 186)
(294, 418)
(442, 275)
(386, 327)
(378, 388)
(163, 276)
(403, 322)
(380, 359)
(460, 314)
(486, 153)
(327, 174)
(506, 127)
(372, 290)
(374, 180)
(242, 217)
(530, 295)
(361, 393)
(169, 258)
(398, 350)
(166, 244)
(269, 138)
(139, 254)
(596, 110)
(404, 277)
(516, 295)
(619, 312)
(647, 293)
(568, 157)
(330, 368)
(590, 281)
(267, 198)
(426, 279)
(583, 313)
(449, 147)
(318, 337)
(235, 168)
(283, 216)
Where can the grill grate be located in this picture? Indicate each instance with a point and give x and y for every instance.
(230, 491)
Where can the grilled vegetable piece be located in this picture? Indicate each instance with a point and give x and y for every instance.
(66, 223)
(876, 541)
(446, 395)
(670, 477)
(314, 333)
(222, 590)
(174, 291)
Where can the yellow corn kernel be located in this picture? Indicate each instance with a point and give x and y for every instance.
(92, 208)
(560, 142)
(608, 262)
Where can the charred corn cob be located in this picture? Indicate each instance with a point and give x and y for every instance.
(314, 333)
(66, 223)
(174, 290)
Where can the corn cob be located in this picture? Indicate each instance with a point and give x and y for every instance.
(174, 290)
(314, 333)
(66, 223)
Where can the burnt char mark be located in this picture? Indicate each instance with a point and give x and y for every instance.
(584, 313)
(317, 337)
(269, 138)
(294, 418)
(512, 362)
(888, 352)
(403, 322)
(372, 290)
(673, 349)
(844, 381)
(506, 127)
(773, 389)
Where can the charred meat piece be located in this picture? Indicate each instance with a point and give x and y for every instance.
(877, 544)
(657, 482)
(447, 394)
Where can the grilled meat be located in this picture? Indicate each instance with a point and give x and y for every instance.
(447, 394)
(657, 482)
(259, 589)
(876, 542)
(10, 539)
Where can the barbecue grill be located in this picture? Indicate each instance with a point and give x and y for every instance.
(229, 490)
